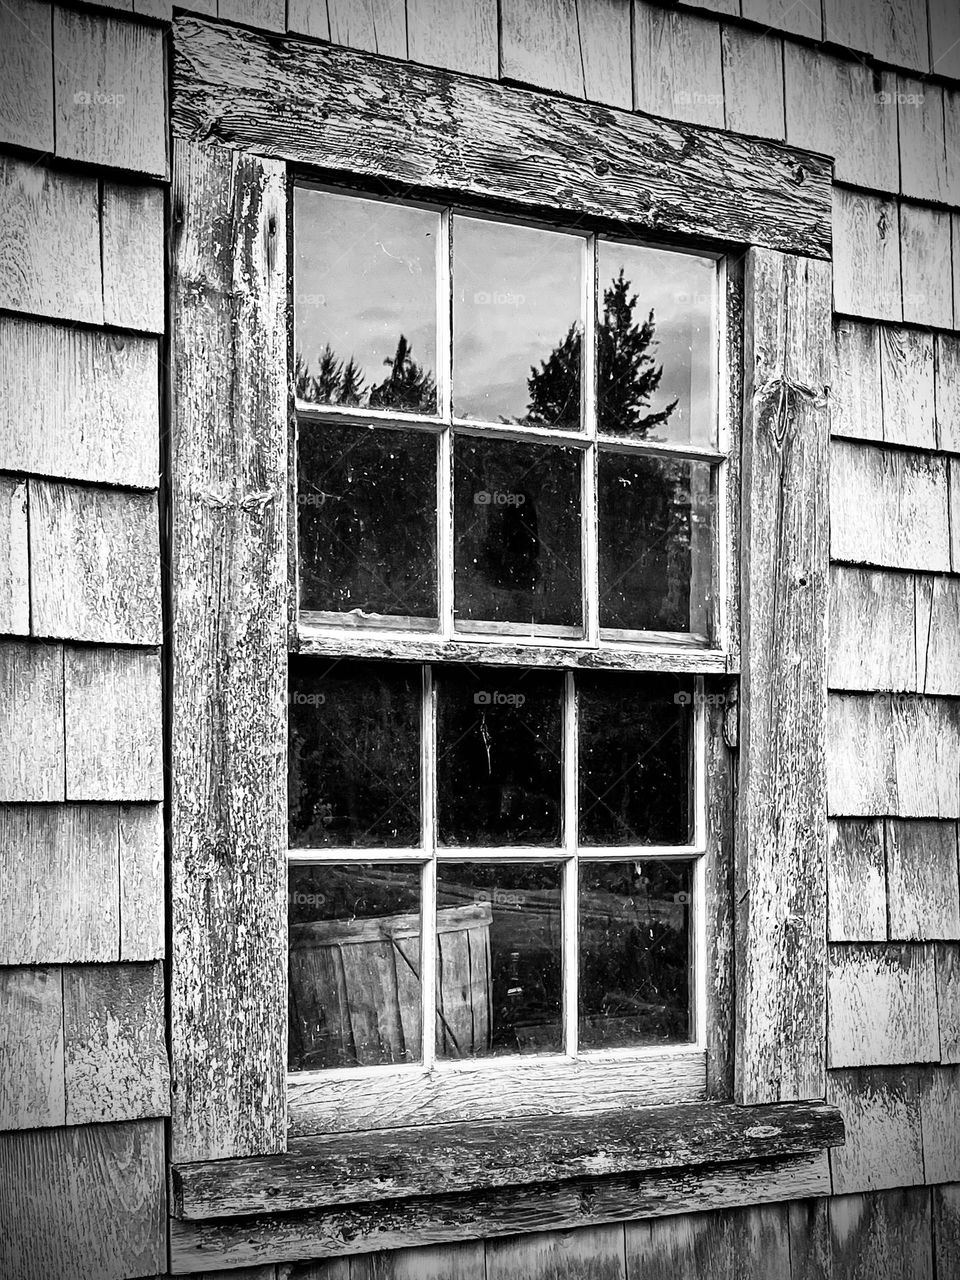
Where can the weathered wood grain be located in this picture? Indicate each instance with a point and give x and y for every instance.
(110, 91)
(83, 1202)
(160, 9)
(31, 1048)
(924, 252)
(955, 246)
(677, 66)
(753, 82)
(14, 558)
(305, 17)
(396, 1164)
(951, 124)
(605, 47)
(906, 379)
(133, 285)
(26, 76)
(882, 1006)
(938, 634)
(60, 880)
(443, 1219)
(944, 38)
(811, 1253)
(592, 1253)
(721, 780)
(94, 564)
(460, 35)
(861, 772)
(922, 887)
(857, 882)
(141, 882)
(940, 1121)
(115, 1054)
(883, 1146)
(269, 14)
(785, 15)
(378, 26)
(946, 1227)
(78, 404)
(31, 721)
(893, 31)
(443, 1262)
(947, 385)
(228, 646)
(782, 821)
(856, 407)
(540, 45)
(923, 151)
(113, 720)
(751, 1243)
(888, 507)
(947, 958)
(873, 643)
(344, 110)
(882, 1234)
(332, 1268)
(953, 487)
(49, 242)
(866, 256)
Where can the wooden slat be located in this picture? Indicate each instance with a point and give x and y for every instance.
(115, 1053)
(924, 251)
(866, 255)
(946, 1227)
(14, 558)
(49, 242)
(60, 879)
(721, 784)
(861, 773)
(443, 1219)
(883, 1006)
(753, 82)
(443, 1262)
(113, 724)
(78, 404)
(596, 1252)
(133, 287)
(888, 507)
(781, 935)
(160, 9)
(751, 1244)
(924, 894)
(31, 1048)
(811, 1253)
(947, 382)
(883, 1235)
(906, 379)
(785, 15)
(94, 564)
(953, 485)
(883, 1145)
(893, 31)
(110, 91)
(856, 407)
(269, 14)
(857, 882)
(26, 76)
(878, 604)
(31, 722)
(343, 110)
(85, 1202)
(948, 1000)
(305, 17)
(955, 246)
(923, 152)
(141, 882)
(605, 48)
(940, 1119)
(945, 38)
(540, 44)
(460, 35)
(378, 26)
(228, 569)
(677, 66)
(951, 126)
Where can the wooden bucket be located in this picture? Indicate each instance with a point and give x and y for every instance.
(355, 988)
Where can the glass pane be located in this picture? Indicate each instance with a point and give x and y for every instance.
(656, 519)
(354, 966)
(636, 777)
(367, 521)
(635, 954)
(516, 323)
(499, 972)
(498, 756)
(656, 344)
(354, 758)
(365, 302)
(517, 533)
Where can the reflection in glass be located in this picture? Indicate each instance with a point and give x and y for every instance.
(636, 780)
(517, 531)
(655, 544)
(367, 521)
(365, 302)
(499, 974)
(656, 344)
(354, 754)
(498, 756)
(635, 954)
(354, 966)
(516, 323)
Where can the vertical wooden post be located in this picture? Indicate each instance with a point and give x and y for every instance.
(782, 818)
(228, 649)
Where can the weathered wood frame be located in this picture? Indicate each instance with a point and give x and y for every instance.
(244, 105)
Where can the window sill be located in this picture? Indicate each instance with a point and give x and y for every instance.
(348, 1193)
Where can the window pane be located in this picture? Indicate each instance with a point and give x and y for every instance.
(656, 344)
(655, 544)
(516, 323)
(365, 302)
(517, 531)
(354, 758)
(499, 972)
(498, 756)
(354, 966)
(367, 521)
(635, 954)
(636, 780)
